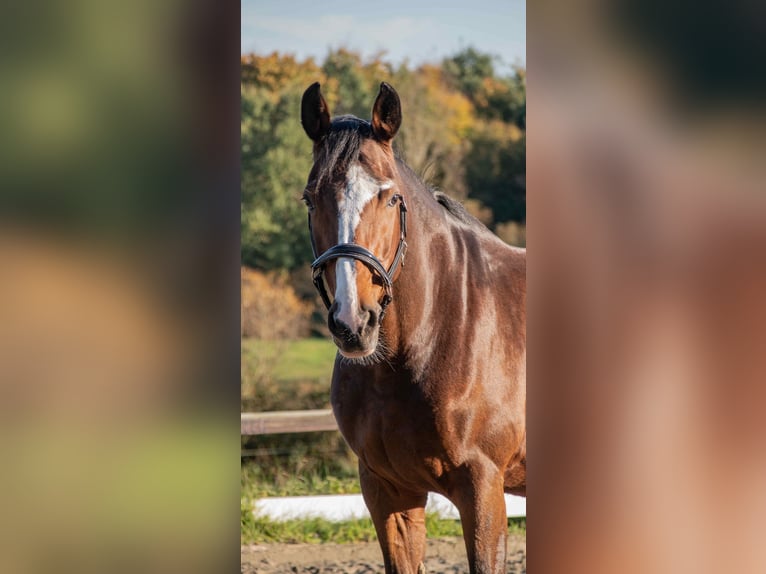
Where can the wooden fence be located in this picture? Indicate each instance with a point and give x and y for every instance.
(287, 422)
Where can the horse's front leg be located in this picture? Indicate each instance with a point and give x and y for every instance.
(477, 491)
(399, 518)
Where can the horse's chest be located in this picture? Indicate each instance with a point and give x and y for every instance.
(392, 433)
(369, 420)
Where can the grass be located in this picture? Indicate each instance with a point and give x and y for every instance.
(302, 359)
(319, 467)
(286, 375)
(257, 530)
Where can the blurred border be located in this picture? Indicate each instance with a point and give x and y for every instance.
(646, 280)
(119, 250)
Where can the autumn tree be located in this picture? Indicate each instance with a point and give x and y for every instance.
(275, 158)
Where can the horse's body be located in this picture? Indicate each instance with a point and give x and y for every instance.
(439, 403)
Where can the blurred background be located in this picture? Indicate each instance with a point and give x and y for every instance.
(461, 78)
(647, 224)
(119, 347)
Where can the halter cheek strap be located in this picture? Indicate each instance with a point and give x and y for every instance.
(354, 251)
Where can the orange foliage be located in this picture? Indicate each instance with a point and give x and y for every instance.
(456, 110)
(277, 71)
(270, 309)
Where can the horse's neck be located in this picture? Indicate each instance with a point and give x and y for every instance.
(431, 260)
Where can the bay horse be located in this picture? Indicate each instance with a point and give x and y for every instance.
(428, 310)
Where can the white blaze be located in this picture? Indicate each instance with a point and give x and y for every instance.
(360, 189)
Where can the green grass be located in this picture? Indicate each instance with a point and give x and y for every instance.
(286, 375)
(257, 530)
(306, 359)
(300, 474)
(301, 359)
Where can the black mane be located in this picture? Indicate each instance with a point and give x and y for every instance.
(456, 209)
(452, 206)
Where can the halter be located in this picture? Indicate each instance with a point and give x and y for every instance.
(359, 253)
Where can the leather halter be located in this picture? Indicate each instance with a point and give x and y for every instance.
(354, 251)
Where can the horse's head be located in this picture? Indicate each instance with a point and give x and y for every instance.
(356, 216)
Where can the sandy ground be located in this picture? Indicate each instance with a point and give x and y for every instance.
(445, 555)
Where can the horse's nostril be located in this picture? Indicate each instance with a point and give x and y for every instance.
(340, 329)
(331, 322)
(354, 330)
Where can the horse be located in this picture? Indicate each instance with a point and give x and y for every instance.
(427, 308)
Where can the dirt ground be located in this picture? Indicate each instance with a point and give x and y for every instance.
(443, 556)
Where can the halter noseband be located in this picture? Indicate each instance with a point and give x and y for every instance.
(359, 253)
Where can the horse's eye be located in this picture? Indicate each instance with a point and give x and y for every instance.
(305, 199)
(384, 190)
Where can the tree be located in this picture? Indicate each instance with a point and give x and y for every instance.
(437, 121)
(275, 159)
(468, 69)
(495, 98)
(349, 87)
(495, 171)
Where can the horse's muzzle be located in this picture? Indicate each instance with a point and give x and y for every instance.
(359, 338)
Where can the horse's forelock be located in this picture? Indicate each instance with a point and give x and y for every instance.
(340, 147)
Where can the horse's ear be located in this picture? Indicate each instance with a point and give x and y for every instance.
(315, 115)
(386, 113)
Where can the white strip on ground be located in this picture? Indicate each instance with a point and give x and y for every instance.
(340, 507)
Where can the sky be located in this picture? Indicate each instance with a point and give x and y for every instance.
(406, 30)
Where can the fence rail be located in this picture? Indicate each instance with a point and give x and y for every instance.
(287, 422)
